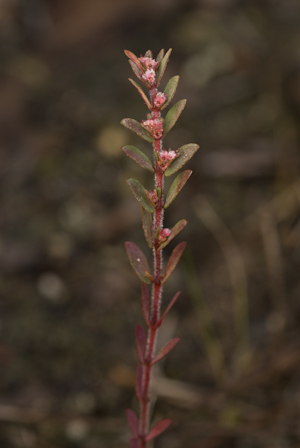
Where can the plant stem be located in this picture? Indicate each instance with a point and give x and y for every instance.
(156, 291)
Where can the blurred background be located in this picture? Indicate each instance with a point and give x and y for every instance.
(69, 298)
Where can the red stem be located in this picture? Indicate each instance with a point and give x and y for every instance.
(156, 293)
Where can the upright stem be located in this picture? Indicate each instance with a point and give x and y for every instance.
(158, 217)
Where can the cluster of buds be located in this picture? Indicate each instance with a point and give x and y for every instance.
(159, 100)
(149, 68)
(165, 158)
(154, 126)
(149, 63)
(154, 195)
(149, 76)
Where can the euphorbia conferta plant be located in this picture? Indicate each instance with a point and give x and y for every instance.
(153, 203)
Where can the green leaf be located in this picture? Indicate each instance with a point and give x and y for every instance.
(138, 262)
(176, 186)
(141, 92)
(173, 260)
(138, 156)
(134, 59)
(162, 66)
(140, 194)
(135, 126)
(170, 89)
(174, 231)
(135, 70)
(147, 226)
(148, 54)
(186, 153)
(173, 115)
(160, 55)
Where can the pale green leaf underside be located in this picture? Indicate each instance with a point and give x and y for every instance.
(138, 156)
(135, 126)
(140, 194)
(176, 186)
(173, 115)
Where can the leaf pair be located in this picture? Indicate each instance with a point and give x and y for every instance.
(141, 340)
(170, 120)
(142, 195)
(153, 433)
(141, 266)
(146, 304)
(169, 91)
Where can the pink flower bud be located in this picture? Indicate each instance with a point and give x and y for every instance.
(149, 76)
(148, 62)
(160, 99)
(164, 156)
(172, 155)
(154, 126)
(153, 196)
(164, 234)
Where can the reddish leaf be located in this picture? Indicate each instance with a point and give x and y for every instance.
(165, 350)
(142, 93)
(135, 126)
(141, 194)
(186, 153)
(147, 226)
(133, 423)
(134, 443)
(174, 231)
(134, 59)
(170, 89)
(138, 261)
(139, 382)
(160, 55)
(159, 322)
(162, 66)
(158, 429)
(140, 340)
(138, 156)
(173, 115)
(176, 186)
(145, 303)
(173, 260)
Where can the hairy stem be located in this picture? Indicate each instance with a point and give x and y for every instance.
(156, 292)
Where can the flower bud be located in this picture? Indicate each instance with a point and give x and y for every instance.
(153, 196)
(149, 62)
(149, 76)
(165, 158)
(164, 234)
(159, 100)
(154, 126)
